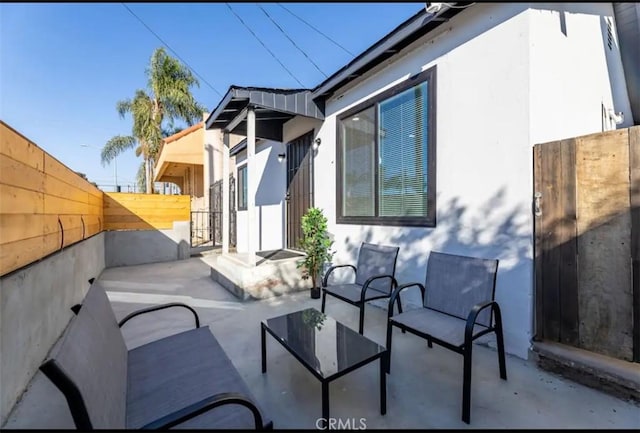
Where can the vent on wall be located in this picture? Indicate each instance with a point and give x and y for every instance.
(609, 33)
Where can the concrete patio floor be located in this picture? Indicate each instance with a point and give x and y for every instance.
(423, 391)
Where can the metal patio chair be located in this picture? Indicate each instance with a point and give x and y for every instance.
(374, 278)
(458, 306)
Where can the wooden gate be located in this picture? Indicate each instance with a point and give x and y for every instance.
(587, 249)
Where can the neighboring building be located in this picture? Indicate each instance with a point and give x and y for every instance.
(425, 140)
(180, 161)
(188, 160)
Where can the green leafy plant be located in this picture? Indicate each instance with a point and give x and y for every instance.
(313, 317)
(316, 243)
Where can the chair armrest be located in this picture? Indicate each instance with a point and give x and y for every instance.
(396, 293)
(159, 307)
(203, 406)
(331, 269)
(473, 315)
(366, 284)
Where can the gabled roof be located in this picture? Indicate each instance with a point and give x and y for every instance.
(418, 25)
(273, 107)
(182, 133)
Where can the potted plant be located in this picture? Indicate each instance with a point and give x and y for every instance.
(316, 244)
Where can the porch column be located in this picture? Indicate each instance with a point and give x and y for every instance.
(225, 193)
(251, 184)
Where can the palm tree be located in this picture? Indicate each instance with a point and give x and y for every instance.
(168, 98)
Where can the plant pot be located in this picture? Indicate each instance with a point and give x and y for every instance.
(315, 292)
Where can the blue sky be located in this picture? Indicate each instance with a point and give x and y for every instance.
(64, 66)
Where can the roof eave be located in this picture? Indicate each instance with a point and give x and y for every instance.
(372, 56)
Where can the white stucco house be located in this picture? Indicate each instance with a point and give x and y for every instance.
(425, 139)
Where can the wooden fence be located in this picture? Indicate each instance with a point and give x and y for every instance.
(144, 211)
(587, 248)
(45, 206)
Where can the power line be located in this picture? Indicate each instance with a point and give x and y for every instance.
(291, 40)
(171, 49)
(262, 43)
(340, 46)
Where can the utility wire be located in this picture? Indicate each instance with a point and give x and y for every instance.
(262, 43)
(337, 44)
(291, 40)
(171, 49)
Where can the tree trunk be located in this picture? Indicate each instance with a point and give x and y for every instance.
(148, 176)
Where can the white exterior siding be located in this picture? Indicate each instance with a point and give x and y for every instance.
(509, 76)
(269, 199)
(484, 176)
(573, 71)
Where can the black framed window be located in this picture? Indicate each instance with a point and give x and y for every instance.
(242, 187)
(386, 157)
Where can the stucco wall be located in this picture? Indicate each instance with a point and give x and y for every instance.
(507, 78)
(573, 72)
(482, 160)
(270, 193)
(35, 306)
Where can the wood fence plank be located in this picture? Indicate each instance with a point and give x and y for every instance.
(57, 188)
(14, 200)
(568, 247)
(19, 174)
(14, 227)
(634, 197)
(62, 206)
(17, 254)
(537, 245)
(16, 146)
(551, 199)
(604, 251)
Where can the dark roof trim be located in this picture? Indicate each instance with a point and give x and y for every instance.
(294, 102)
(627, 19)
(407, 32)
(242, 145)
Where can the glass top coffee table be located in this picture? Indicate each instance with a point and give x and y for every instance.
(326, 347)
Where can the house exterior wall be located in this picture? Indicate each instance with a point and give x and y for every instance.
(574, 74)
(212, 161)
(269, 198)
(483, 158)
(493, 105)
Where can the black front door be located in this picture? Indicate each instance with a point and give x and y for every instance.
(299, 196)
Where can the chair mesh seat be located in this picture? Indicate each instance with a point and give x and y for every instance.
(352, 292)
(439, 325)
(179, 370)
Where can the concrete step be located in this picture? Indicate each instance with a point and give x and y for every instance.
(613, 376)
(266, 279)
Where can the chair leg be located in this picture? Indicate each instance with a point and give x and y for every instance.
(429, 343)
(466, 385)
(389, 333)
(324, 299)
(361, 328)
(501, 359)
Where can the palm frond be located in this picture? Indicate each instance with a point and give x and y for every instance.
(115, 146)
(123, 107)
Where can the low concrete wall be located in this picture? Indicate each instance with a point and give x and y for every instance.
(137, 247)
(35, 306)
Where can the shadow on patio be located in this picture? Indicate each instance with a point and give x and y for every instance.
(423, 390)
